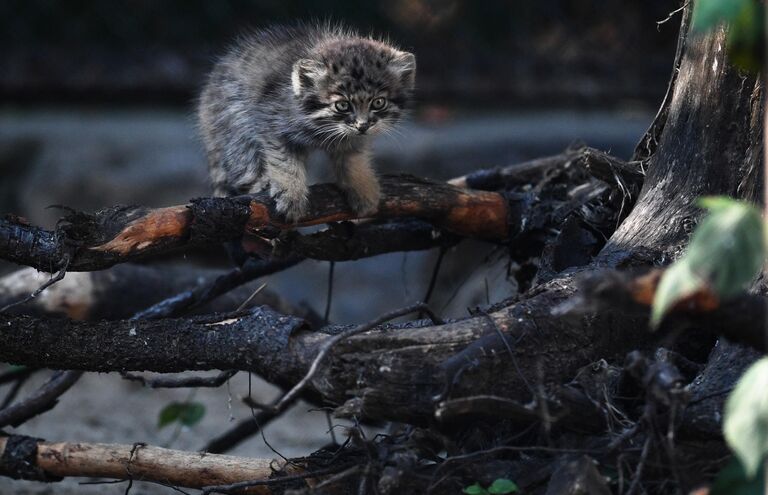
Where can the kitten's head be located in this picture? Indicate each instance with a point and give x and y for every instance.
(352, 87)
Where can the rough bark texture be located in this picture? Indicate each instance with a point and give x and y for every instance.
(124, 233)
(710, 143)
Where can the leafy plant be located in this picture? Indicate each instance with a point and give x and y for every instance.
(185, 413)
(724, 255)
(746, 418)
(500, 486)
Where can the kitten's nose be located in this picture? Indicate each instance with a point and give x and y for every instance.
(362, 126)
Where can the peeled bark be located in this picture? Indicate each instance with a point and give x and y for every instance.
(138, 462)
(85, 242)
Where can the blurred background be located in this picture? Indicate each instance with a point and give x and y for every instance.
(97, 104)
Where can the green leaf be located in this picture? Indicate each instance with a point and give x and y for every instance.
(186, 413)
(745, 423)
(475, 489)
(725, 253)
(744, 41)
(727, 248)
(732, 480)
(708, 14)
(502, 485)
(192, 413)
(678, 282)
(169, 414)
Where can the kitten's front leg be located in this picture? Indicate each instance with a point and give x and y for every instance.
(357, 178)
(286, 175)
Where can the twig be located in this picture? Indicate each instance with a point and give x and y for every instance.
(41, 400)
(292, 394)
(14, 391)
(181, 382)
(187, 301)
(433, 278)
(239, 433)
(327, 313)
(56, 278)
(250, 298)
(635, 485)
(336, 478)
(236, 487)
(672, 14)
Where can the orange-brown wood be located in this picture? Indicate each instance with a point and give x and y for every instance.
(155, 226)
(468, 213)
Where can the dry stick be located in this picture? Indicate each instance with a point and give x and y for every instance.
(250, 298)
(242, 485)
(57, 278)
(182, 382)
(240, 432)
(41, 400)
(143, 462)
(14, 391)
(433, 278)
(327, 313)
(635, 485)
(187, 301)
(292, 394)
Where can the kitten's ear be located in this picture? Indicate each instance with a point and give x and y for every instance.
(305, 74)
(405, 64)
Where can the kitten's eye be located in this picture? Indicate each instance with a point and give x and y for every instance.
(379, 103)
(342, 106)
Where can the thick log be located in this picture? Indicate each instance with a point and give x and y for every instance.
(138, 462)
(399, 373)
(86, 242)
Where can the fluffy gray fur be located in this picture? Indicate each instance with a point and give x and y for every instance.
(282, 92)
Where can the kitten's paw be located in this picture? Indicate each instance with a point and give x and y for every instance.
(293, 206)
(365, 200)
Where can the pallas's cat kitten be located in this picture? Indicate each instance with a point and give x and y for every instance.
(281, 92)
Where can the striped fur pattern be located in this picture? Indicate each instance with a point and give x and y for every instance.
(282, 92)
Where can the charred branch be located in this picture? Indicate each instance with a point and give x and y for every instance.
(42, 400)
(125, 233)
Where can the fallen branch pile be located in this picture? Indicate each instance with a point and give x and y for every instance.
(556, 387)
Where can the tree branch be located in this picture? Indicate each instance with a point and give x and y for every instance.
(125, 233)
(42, 400)
(138, 461)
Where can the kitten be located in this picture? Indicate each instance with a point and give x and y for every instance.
(282, 92)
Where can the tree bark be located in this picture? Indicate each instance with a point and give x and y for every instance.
(85, 242)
